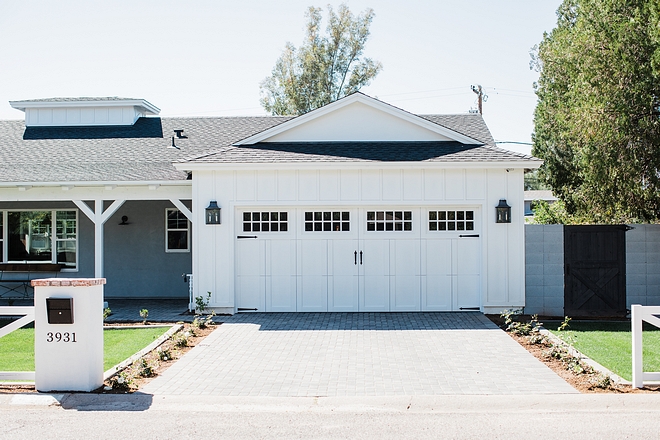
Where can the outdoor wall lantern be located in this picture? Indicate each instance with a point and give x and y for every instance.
(503, 212)
(213, 213)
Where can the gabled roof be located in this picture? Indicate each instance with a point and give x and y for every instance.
(143, 152)
(386, 113)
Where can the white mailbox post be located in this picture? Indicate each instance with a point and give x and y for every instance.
(68, 334)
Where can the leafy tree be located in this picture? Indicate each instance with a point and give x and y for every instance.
(325, 68)
(597, 120)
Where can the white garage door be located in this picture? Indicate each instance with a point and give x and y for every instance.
(357, 259)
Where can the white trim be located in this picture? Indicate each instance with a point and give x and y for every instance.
(366, 100)
(142, 104)
(183, 208)
(53, 237)
(198, 166)
(106, 184)
(85, 209)
(111, 210)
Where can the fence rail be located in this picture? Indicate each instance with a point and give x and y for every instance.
(638, 314)
(27, 314)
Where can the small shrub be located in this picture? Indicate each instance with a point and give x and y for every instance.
(106, 312)
(180, 339)
(564, 325)
(164, 354)
(122, 381)
(143, 368)
(201, 303)
(144, 314)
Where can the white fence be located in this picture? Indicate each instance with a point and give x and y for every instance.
(27, 314)
(638, 314)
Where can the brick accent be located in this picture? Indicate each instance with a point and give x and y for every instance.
(73, 282)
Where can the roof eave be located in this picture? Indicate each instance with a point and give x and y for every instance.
(143, 104)
(513, 164)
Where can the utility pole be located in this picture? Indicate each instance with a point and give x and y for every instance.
(481, 96)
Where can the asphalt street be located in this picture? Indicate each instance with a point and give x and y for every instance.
(140, 416)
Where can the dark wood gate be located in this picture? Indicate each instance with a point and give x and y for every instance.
(595, 271)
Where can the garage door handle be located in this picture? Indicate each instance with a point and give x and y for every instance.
(246, 236)
(468, 235)
(355, 255)
(360, 257)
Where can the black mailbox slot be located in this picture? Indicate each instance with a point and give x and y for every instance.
(60, 310)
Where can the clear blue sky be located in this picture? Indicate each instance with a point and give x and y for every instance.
(207, 57)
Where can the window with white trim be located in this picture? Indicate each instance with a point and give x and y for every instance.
(327, 221)
(177, 231)
(389, 220)
(32, 236)
(451, 220)
(265, 221)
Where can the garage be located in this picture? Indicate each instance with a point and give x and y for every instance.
(359, 207)
(347, 259)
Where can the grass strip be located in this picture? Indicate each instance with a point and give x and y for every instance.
(610, 344)
(17, 348)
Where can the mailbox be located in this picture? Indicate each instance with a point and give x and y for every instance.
(59, 310)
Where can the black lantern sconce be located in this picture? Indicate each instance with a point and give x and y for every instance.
(503, 212)
(213, 213)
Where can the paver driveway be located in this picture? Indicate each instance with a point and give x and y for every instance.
(357, 354)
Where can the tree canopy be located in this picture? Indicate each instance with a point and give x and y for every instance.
(597, 123)
(325, 68)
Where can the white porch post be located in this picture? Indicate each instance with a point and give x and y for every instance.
(98, 239)
(98, 217)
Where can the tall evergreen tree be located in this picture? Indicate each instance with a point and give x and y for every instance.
(597, 123)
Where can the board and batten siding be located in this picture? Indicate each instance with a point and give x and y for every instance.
(434, 187)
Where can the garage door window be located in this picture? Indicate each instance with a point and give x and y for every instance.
(389, 220)
(265, 221)
(451, 220)
(332, 221)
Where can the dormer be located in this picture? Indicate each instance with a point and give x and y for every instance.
(77, 112)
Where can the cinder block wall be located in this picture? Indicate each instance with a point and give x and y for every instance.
(643, 265)
(544, 269)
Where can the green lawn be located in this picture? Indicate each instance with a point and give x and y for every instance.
(17, 348)
(610, 344)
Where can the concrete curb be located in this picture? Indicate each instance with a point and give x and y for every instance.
(119, 367)
(586, 359)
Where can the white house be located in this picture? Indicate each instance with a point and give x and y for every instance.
(356, 206)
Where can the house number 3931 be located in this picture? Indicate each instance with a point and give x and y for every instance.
(60, 337)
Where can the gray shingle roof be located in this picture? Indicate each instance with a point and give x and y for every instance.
(288, 152)
(140, 152)
(471, 125)
(143, 152)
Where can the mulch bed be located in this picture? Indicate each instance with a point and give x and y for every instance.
(581, 382)
(152, 359)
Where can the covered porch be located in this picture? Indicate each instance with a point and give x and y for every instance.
(137, 236)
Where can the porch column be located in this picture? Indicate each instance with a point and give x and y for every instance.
(98, 217)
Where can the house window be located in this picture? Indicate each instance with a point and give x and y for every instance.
(42, 236)
(2, 235)
(451, 220)
(389, 220)
(265, 222)
(328, 221)
(177, 231)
